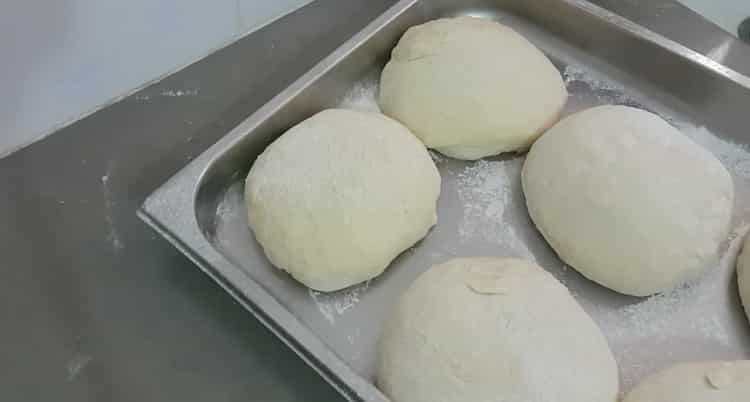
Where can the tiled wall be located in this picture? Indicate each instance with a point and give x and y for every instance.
(63, 58)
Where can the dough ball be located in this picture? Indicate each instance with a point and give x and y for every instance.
(470, 87)
(696, 382)
(340, 195)
(743, 275)
(628, 200)
(493, 329)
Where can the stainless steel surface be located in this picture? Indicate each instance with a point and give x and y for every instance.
(96, 307)
(685, 26)
(605, 58)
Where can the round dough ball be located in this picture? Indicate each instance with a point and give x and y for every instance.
(743, 275)
(628, 200)
(493, 329)
(470, 87)
(341, 194)
(696, 382)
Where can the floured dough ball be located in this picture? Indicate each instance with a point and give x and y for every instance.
(628, 200)
(470, 87)
(696, 382)
(743, 275)
(493, 329)
(341, 194)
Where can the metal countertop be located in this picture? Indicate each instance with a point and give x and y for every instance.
(96, 307)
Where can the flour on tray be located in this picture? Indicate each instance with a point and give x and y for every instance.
(735, 157)
(333, 304)
(362, 97)
(606, 91)
(680, 312)
(593, 79)
(485, 190)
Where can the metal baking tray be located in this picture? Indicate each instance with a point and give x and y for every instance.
(604, 59)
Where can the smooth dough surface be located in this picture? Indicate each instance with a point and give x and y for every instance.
(696, 382)
(743, 275)
(341, 194)
(471, 87)
(493, 329)
(628, 200)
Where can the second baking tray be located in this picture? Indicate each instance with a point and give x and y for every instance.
(481, 211)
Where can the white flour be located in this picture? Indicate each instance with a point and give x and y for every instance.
(687, 315)
(593, 79)
(656, 315)
(735, 157)
(694, 314)
(170, 94)
(233, 196)
(485, 188)
(333, 304)
(179, 92)
(606, 91)
(362, 97)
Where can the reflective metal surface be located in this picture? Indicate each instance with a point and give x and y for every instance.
(94, 305)
(685, 26)
(605, 58)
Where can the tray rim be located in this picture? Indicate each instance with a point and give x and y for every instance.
(170, 209)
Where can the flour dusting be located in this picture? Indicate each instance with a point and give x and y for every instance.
(485, 190)
(605, 90)
(170, 93)
(655, 317)
(680, 312)
(689, 322)
(332, 304)
(179, 92)
(735, 157)
(233, 196)
(695, 315)
(593, 79)
(362, 97)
